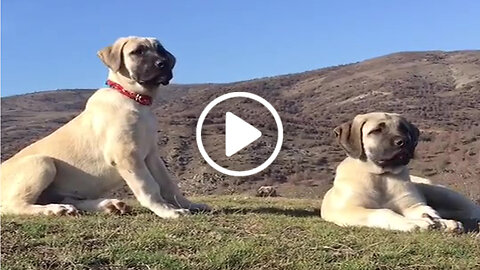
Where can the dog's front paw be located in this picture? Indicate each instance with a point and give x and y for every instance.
(114, 206)
(199, 207)
(449, 225)
(421, 224)
(172, 213)
(61, 210)
(182, 211)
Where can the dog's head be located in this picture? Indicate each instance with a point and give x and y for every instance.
(141, 60)
(385, 139)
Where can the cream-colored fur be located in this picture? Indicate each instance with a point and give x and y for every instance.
(365, 194)
(113, 141)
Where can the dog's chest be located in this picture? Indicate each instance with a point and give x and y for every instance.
(146, 122)
(385, 189)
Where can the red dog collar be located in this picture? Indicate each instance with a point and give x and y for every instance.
(142, 99)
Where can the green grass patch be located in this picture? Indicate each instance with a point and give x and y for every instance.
(243, 233)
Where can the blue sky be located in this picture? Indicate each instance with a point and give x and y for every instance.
(52, 44)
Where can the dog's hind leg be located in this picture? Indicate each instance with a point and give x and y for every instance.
(110, 206)
(449, 203)
(23, 181)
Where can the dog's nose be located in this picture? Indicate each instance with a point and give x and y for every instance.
(161, 63)
(399, 142)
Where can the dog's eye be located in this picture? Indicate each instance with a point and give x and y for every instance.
(376, 131)
(138, 51)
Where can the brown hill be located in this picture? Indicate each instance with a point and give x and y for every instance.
(438, 91)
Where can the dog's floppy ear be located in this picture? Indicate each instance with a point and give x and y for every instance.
(413, 131)
(349, 136)
(171, 59)
(111, 56)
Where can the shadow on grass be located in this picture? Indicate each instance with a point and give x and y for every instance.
(470, 225)
(271, 210)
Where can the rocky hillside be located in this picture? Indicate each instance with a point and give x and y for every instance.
(438, 91)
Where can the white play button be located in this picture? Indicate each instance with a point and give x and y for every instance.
(238, 134)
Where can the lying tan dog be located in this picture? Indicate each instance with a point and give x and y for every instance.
(372, 185)
(113, 141)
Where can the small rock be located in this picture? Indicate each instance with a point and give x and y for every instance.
(267, 191)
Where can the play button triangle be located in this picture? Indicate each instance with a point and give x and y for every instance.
(238, 134)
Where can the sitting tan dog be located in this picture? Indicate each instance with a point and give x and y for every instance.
(373, 187)
(113, 141)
